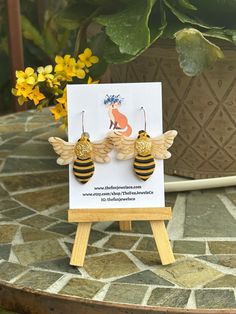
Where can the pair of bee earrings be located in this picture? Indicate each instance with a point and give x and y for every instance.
(143, 149)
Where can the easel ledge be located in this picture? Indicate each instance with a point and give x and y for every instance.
(155, 215)
(119, 214)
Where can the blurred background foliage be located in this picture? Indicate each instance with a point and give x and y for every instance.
(118, 31)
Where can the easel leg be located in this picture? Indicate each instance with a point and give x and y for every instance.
(162, 242)
(125, 225)
(80, 244)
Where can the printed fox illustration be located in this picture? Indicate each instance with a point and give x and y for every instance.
(118, 121)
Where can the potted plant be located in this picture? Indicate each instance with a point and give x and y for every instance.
(172, 41)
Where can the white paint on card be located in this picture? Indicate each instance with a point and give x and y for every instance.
(115, 184)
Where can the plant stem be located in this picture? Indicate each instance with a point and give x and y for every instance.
(80, 35)
(82, 31)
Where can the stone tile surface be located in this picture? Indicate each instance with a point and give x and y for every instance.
(38, 221)
(125, 293)
(147, 244)
(188, 273)
(8, 204)
(21, 182)
(170, 199)
(232, 197)
(5, 251)
(19, 212)
(82, 287)
(215, 299)
(222, 247)
(10, 270)
(44, 199)
(37, 251)
(203, 210)
(12, 143)
(63, 228)
(12, 165)
(3, 193)
(91, 250)
(61, 214)
(227, 281)
(34, 150)
(150, 258)
(189, 247)
(146, 277)
(169, 297)
(60, 265)
(37, 183)
(137, 227)
(121, 242)
(109, 265)
(32, 234)
(224, 260)
(38, 279)
(95, 236)
(7, 233)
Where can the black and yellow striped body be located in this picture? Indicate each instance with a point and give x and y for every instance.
(144, 166)
(83, 169)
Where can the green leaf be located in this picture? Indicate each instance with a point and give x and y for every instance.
(231, 33)
(187, 5)
(217, 12)
(50, 36)
(31, 33)
(195, 52)
(156, 24)
(97, 43)
(173, 26)
(219, 34)
(98, 69)
(113, 55)
(184, 18)
(72, 16)
(157, 21)
(128, 28)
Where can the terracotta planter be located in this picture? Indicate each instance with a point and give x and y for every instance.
(202, 109)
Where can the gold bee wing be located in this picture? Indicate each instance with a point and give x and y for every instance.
(124, 145)
(161, 143)
(101, 150)
(64, 149)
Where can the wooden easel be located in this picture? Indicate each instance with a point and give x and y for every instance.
(85, 217)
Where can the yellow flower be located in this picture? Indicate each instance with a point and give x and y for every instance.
(63, 100)
(78, 70)
(65, 67)
(45, 73)
(36, 95)
(22, 89)
(21, 100)
(58, 111)
(90, 81)
(28, 76)
(87, 58)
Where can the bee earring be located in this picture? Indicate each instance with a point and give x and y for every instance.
(144, 149)
(83, 154)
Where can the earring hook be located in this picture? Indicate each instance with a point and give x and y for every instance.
(145, 118)
(83, 121)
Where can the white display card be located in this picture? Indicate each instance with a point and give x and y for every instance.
(114, 184)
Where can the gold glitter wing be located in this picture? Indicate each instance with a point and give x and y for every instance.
(64, 149)
(124, 145)
(101, 149)
(161, 143)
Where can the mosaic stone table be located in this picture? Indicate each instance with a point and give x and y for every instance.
(122, 271)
